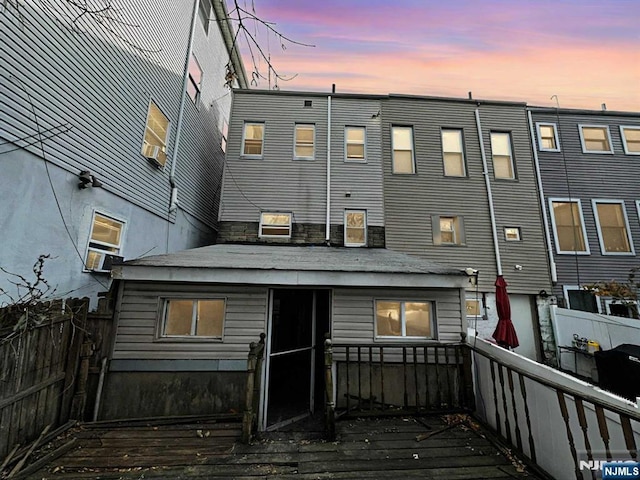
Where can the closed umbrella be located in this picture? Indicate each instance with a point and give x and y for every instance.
(505, 334)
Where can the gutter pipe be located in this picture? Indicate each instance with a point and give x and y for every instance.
(328, 229)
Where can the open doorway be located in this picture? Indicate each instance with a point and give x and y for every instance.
(294, 388)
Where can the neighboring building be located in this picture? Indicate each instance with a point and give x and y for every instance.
(591, 181)
(112, 133)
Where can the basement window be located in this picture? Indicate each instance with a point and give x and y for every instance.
(202, 318)
(275, 225)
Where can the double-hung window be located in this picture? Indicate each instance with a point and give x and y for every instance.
(630, 139)
(305, 140)
(502, 155)
(252, 139)
(355, 228)
(355, 144)
(195, 79)
(568, 226)
(105, 243)
(403, 156)
(448, 230)
(548, 137)
(399, 319)
(453, 153)
(156, 134)
(613, 227)
(193, 318)
(275, 224)
(595, 139)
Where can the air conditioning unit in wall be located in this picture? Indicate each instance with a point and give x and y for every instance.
(155, 154)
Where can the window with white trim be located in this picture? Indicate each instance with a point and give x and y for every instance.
(355, 228)
(595, 139)
(195, 318)
(453, 152)
(224, 134)
(621, 308)
(252, 139)
(156, 135)
(204, 12)
(512, 234)
(568, 226)
(105, 243)
(577, 298)
(275, 224)
(304, 141)
(548, 137)
(613, 227)
(447, 230)
(355, 144)
(473, 308)
(404, 319)
(630, 139)
(195, 79)
(502, 155)
(402, 144)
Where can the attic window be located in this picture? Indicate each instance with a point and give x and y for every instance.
(308, 103)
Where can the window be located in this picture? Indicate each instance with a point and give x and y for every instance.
(568, 226)
(275, 224)
(193, 318)
(613, 227)
(355, 144)
(473, 308)
(156, 133)
(252, 139)
(452, 153)
(630, 140)
(404, 319)
(195, 79)
(621, 308)
(512, 234)
(105, 243)
(595, 139)
(204, 12)
(447, 230)
(502, 158)
(355, 228)
(548, 137)
(305, 136)
(402, 140)
(224, 134)
(577, 298)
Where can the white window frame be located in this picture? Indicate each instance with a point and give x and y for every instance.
(471, 316)
(517, 229)
(624, 138)
(355, 244)
(191, 81)
(103, 252)
(638, 208)
(458, 231)
(262, 224)
(346, 145)
(192, 337)
(161, 157)
(553, 200)
(295, 141)
(244, 132)
(403, 323)
(462, 160)
(606, 307)
(555, 135)
(594, 204)
(224, 134)
(413, 151)
(601, 152)
(512, 162)
(565, 292)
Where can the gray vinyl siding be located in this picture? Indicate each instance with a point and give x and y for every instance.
(100, 86)
(139, 317)
(412, 200)
(587, 176)
(353, 312)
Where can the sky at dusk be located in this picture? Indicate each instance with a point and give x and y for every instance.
(584, 51)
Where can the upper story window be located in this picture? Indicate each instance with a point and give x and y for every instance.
(202, 318)
(305, 139)
(453, 153)
(355, 228)
(595, 139)
(502, 155)
(548, 137)
(403, 158)
(224, 134)
(404, 319)
(568, 226)
(448, 230)
(105, 243)
(156, 135)
(630, 140)
(204, 12)
(252, 139)
(613, 227)
(195, 79)
(275, 224)
(512, 234)
(355, 144)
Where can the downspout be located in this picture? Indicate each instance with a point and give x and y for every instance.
(174, 158)
(327, 236)
(485, 173)
(552, 262)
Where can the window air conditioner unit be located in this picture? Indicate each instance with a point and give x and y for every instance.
(155, 154)
(110, 261)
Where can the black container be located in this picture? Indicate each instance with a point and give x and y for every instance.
(619, 370)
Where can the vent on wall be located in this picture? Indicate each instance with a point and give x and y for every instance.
(308, 103)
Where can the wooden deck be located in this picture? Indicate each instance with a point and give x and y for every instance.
(375, 448)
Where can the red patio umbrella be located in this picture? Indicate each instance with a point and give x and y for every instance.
(505, 333)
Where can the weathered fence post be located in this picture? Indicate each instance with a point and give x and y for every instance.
(76, 339)
(330, 408)
(78, 406)
(254, 364)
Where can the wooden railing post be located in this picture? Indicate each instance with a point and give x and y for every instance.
(467, 379)
(330, 408)
(254, 364)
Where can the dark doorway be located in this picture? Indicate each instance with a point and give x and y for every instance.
(299, 321)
